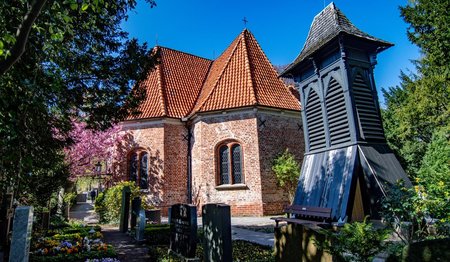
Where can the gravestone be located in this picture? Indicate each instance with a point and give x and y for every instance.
(135, 208)
(140, 227)
(125, 209)
(217, 232)
(183, 230)
(6, 213)
(21, 235)
(45, 220)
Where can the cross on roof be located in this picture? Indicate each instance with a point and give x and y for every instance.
(245, 21)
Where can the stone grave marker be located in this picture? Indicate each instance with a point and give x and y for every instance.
(45, 220)
(21, 235)
(125, 209)
(183, 230)
(140, 227)
(135, 208)
(217, 233)
(6, 214)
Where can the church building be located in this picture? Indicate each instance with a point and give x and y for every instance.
(209, 130)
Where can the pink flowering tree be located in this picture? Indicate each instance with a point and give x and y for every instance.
(109, 147)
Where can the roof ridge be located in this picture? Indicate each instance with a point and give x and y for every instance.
(160, 85)
(200, 92)
(247, 65)
(183, 52)
(267, 59)
(220, 76)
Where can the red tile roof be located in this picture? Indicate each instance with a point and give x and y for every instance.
(184, 84)
(173, 87)
(243, 76)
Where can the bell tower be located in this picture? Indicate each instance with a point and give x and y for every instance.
(347, 164)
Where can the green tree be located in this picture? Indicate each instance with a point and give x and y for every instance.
(420, 105)
(287, 172)
(62, 60)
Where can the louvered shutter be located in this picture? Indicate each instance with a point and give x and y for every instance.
(337, 114)
(367, 112)
(314, 121)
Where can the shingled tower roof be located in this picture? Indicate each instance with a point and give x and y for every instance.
(243, 76)
(327, 25)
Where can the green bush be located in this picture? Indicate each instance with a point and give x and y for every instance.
(359, 241)
(157, 234)
(427, 251)
(108, 203)
(408, 210)
(70, 199)
(287, 172)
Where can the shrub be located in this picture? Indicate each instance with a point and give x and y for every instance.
(287, 172)
(408, 211)
(357, 241)
(157, 234)
(108, 203)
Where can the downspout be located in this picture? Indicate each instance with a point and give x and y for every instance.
(189, 159)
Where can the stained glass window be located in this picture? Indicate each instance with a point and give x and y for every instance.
(133, 167)
(230, 164)
(143, 172)
(237, 168)
(224, 162)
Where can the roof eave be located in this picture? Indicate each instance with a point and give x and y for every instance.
(304, 55)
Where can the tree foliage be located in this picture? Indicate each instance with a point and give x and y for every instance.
(287, 172)
(73, 62)
(420, 105)
(109, 147)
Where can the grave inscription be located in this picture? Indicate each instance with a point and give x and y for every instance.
(183, 230)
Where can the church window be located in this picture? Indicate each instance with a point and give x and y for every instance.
(229, 163)
(143, 172)
(138, 168)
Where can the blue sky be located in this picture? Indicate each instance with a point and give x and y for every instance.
(206, 27)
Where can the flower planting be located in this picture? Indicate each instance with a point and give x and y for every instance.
(72, 244)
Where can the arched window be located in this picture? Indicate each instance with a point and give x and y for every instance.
(229, 164)
(143, 171)
(138, 168)
(133, 167)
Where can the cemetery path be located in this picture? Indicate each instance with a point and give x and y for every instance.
(84, 211)
(127, 248)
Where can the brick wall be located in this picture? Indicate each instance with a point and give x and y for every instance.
(175, 166)
(167, 160)
(276, 133)
(262, 136)
(208, 133)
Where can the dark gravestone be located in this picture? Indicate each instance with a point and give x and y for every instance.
(135, 208)
(183, 230)
(45, 220)
(140, 227)
(125, 209)
(217, 233)
(6, 213)
(21, 235)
